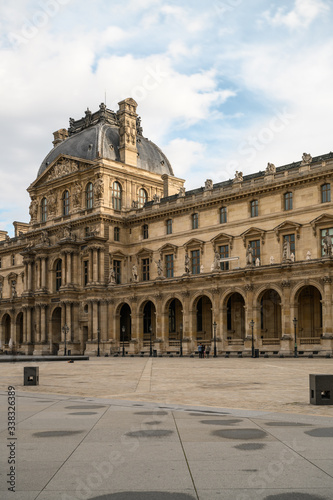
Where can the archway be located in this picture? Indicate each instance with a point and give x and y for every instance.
(19, 329)
(270, 315)
(56, 330)
(236, 317)
(203, 319)
(175, 317)
(149, 321)
(125, 323)
(309, 313)
(6, 327)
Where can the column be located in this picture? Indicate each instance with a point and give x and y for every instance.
(63, 320)
(95, 265)
(111, 332)
(68, 307)
(43, 273)
(91, 260)
(43, 326)
(101, 265)
(12, 329)
(185, 314)
(64, 269)
(29, 339)
(38, 321)
(90, 320)
(287, 310)
(95, 318)
(75, 322)
(103, 320)
(24, 325)
(69, 268)
(327, 308)
(38, 273)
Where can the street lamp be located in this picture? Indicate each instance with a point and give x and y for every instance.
(181, 339)
(252, 325)
(150, 342)
(214, 327)
(65, 330)
(123, 332)
(98, 333)
(295, 348)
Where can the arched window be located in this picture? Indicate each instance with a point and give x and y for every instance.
(116, 196)
(43, 209)
(89, 195)
(58, 270)
(142, 198)
(65, 203)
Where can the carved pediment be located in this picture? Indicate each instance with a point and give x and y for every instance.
(118, 255)
(286, 227)
(168, 248)
(12, 277)
(194, 243)
(63, 166)
(324, 220)
(222, 238)
(144, 253)
(254, 232)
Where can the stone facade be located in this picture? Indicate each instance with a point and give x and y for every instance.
(119, 257)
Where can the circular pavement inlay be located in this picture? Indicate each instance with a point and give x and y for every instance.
(84, 407)
(144, 495)
(240, 434)
(151, 413)
(221, 422)
(84, 413)
(295, 496)
(46, 434)
(287, 424)
(321, 432)
(250, 446)
(150, 433)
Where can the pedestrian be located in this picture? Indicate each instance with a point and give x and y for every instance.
(203, 350)
(207, 350)
(200, 350)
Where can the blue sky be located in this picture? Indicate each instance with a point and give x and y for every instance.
(221, 86)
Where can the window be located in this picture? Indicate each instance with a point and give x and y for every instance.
(224, 253)
(116, 196)
(256, 250)
(169, 226)
(288, 201)
(254, 208)
(195, 254)
(142, 198)
(325, 193)
(223, 215)
(145, 231)
(44, 210)
(169, 265)
(195, 221)
(116, 234)
(58, 274)
(85, 272)
(13, 260)
(145, 269)
(89, 195)
(117, 271)
(65, 203)
(291, 239)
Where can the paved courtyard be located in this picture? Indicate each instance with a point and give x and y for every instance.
(168, 429)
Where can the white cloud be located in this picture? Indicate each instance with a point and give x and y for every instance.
(183, 154)
(301, 16)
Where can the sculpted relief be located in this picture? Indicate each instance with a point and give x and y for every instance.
(63, 167)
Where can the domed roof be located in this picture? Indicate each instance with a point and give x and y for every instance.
(97, 136)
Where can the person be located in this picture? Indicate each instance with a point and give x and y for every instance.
(207, 350)
(200, 350)
(203, 350)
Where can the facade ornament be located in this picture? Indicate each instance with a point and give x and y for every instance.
(87, 119)
(14, 292)
(1, 288)
(181, 192)
(98, 187)
(271, 259)
(238, 176)
(202, 269)
(185, 294)
(44, 238)
(135, 204)
(112, 277)
(216, 264)
(292, 257)
(308, 255)
(285, 284)
(327, 279)
(64, 167)
(249, 287)
(249, 255)
(286, 257)
(187, 264)
(33, 209)
(156, 199)
(77, 194)
(139, 129)
(270, 169)
(208, 185)
(306, 159)
(159, 268)
(327, 242)
(134, 273)
(257, 262)
(52, 203)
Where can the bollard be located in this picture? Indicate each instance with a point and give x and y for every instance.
(31, 375)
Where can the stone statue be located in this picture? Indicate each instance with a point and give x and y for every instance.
(271, 259)
(71, 125)
(249, 255)
(1, 287)
(181, 192)
(67, 233)
(52, 203)
(44, 238)
(308, 255)
(77, 194)
(292, 257)
(112, 276)
(14, 292)
(33, 208)
(327, 241)
(87, 119)
(286, 251)
(306, 158)
(257, 262)
(216, 263)
(187, 263)
(159, 267)
(238, 176)
(208, 184)
(202, 269)
(135, 273)
(156, 199)
(270, 169)
(99, 187)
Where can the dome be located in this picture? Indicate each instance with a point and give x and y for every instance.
(97, 136)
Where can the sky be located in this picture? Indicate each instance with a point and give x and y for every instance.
(221, 85)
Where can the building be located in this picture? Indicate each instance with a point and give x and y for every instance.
(118, 256)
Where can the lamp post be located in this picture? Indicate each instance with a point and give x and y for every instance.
(295, 339)
(98, 333)
(65, 330)
(150, 342)
(123, 336)
(252, 325)
(214, 327)
(181, 340)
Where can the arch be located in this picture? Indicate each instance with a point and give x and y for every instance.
(19, 328)
(202, 319)
(116, 195)
(270, 314)
(125, 322)
(65, 202)
(310, 317)
(6, 328)
(142, 197)
(175, 318)
(300, 285)
(55, 330)
(235, 317)
(89, 195)
(148, 320)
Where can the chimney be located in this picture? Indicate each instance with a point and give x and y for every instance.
(127, 132)
(59, 136)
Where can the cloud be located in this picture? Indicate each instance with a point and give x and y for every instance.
(183, 154)
(301, 16)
